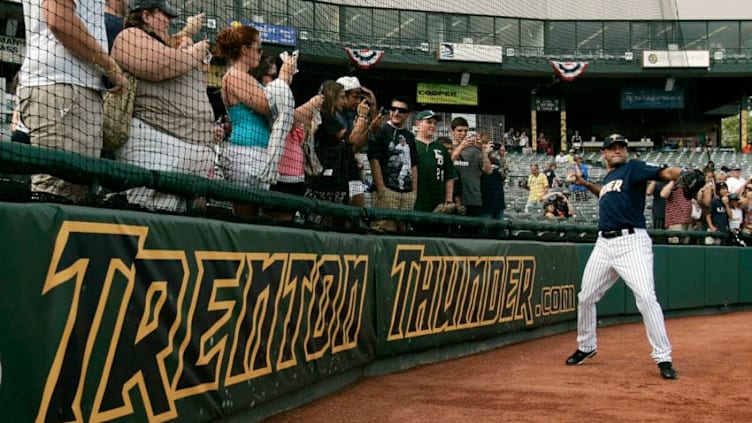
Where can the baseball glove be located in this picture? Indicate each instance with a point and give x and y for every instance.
(692, 181)
(450, 208)
(445, 208)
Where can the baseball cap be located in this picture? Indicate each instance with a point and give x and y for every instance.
(613, 139)
(733, 196)
(720, 185)
(426, 114)
(577, 157)
(736, 166)
(162, 5)
(349, 82)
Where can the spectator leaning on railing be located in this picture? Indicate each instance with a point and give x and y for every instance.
(173, 123)
(60, 84)
(394, 163)
(333, 151)
(435, 169)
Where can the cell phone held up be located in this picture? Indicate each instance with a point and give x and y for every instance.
(286, 55)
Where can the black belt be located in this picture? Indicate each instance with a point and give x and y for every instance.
(617, 232)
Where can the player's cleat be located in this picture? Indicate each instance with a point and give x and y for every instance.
(667, 370)
(579, 357)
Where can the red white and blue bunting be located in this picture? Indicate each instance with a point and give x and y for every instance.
(569, 71)
(364, 58)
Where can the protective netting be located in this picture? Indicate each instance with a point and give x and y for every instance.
(380, 115)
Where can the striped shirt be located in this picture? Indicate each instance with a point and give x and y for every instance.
(678, 208)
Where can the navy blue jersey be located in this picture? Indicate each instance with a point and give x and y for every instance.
(718, 215)
(622, 196)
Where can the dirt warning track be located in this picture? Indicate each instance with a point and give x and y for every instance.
(528, 382)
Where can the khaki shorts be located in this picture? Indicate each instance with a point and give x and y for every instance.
(393, 200)
(678, 227)
(62, 117)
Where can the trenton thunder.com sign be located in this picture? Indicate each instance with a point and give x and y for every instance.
(438, 294)
(176, 319)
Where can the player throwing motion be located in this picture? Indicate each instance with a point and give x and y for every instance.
(624, 249)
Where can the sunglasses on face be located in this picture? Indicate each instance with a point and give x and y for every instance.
(398, 110)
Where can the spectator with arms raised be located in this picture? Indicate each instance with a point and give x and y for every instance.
(356, 120)
(678, 215)
(291, 168)
(245, 157)
(470, 159)
(114, 16)
(173, 122)
(333, 151)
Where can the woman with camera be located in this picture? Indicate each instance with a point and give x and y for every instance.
(173, 123)
(492, 185)
(560, 205)
(251, 155)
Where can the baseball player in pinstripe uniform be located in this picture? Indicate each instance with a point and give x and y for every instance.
(624, 249)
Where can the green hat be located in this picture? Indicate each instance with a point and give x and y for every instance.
(426, 114)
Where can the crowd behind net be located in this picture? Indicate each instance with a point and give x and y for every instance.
(193, 108)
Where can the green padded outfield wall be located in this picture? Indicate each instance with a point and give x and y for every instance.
(433, 294)
(139, 317)
(126, 316)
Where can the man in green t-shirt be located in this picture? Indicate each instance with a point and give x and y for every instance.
(435, 168)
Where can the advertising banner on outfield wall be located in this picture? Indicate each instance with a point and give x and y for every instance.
(156, 318)
(465, 290)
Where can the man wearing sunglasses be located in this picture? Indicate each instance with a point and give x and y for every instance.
(393, 158)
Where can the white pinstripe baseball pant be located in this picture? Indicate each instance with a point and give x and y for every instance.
(631, 257)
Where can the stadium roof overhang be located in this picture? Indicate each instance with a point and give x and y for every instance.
(730, 109)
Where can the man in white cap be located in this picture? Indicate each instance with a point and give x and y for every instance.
(356, 124)
(735, 181)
